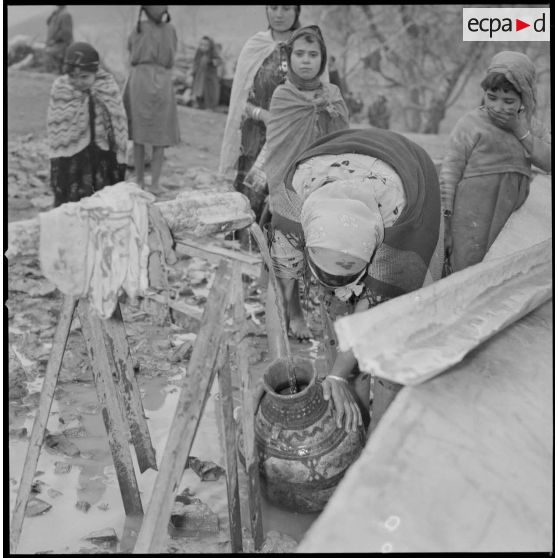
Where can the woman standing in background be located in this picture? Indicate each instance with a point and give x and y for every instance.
(149, 95)
(261, 67)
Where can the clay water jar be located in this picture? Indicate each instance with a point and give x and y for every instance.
(302, 454)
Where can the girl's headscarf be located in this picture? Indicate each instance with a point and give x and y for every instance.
(81, 56)
(296, 23)
(521, 73)
(342, 226)
(307, 31)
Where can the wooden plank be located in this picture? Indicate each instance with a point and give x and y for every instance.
(229, 430)
(250, 265)
(39, 424)
(112, 413)
(178, 305)
(476, 443)
(196, 213)
(195, 389)
(277, 333)
(118, 347)
(248, 411)
(419, 335)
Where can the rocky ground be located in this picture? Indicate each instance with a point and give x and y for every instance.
(76, 439)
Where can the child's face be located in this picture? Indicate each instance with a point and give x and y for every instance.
(502, 104)
(82, 81)
(281, 18)
(306, 58)
(204, 45)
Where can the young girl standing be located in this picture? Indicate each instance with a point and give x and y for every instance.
(86, 126)
(302, 110)
(149, 95)
(486, 172)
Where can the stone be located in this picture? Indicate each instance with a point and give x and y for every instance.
(104, 537)
(83, 506)
(61, 468)
(37, 486)
(191, 519)
(53, 493)
(206, 470)
(18, 432)
(187, 497)
(36, 506)
(276, 542)
(58, 443)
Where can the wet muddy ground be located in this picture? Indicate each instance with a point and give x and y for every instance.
(76, 492)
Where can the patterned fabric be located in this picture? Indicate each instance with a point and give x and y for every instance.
(83, 174)
(342, 217)
(68, 118)
(98, 247)
(411, 254)
(297, 119)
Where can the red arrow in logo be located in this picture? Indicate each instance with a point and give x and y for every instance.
(519, 25)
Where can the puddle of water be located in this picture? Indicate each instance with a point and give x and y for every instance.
(93, 478)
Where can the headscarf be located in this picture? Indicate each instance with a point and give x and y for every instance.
(296, 22)
(81, 56)
(521, 73)
(342, 217)
(307, 31)
(251, 57)
(68, 117)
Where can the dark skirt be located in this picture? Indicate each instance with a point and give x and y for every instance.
(84, 173)
(482, 206)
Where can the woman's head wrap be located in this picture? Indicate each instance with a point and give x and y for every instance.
(521, 73)
(307, 31)
(342, 226)
(296, 22)
(144, 9)
(81, 56)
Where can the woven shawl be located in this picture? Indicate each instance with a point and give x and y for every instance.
(68, 123)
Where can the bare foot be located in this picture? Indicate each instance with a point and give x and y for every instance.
(299, 329)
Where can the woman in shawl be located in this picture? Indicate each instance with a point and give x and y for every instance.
(261, 67)
(302, 110)
(205, 85)
(149, 93)
(359, 209)
(86, 126)
(486, 172)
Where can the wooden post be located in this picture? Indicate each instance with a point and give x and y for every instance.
(116, 428)
(277, 333)
(39, 425)
(252, 466)
(225, 393)
(118, 347)
(193, 395)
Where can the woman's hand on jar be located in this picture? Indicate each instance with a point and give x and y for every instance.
(346, 409)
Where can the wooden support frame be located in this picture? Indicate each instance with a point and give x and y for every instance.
(41, 418)
(251, 458)
(195, 390)
(119, 353)
(112, 413)
(229, 430)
